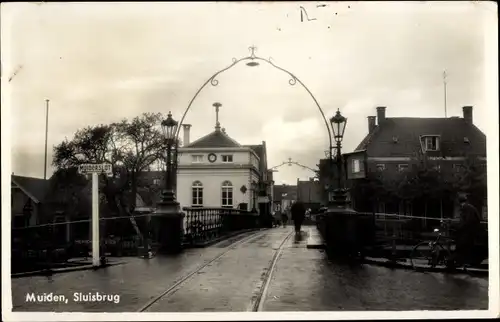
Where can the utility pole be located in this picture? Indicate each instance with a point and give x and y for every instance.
(46, 135)
(444, 83)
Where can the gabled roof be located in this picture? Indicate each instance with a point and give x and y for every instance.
(35, 188)
(216, 139)
(408, 130)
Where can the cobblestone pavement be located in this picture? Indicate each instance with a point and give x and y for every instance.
(302, 280)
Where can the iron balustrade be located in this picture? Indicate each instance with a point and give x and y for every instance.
(203, 224)
(393, 236)
(62, 244)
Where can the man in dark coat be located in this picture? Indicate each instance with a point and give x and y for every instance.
(298, 214)
(467, 231)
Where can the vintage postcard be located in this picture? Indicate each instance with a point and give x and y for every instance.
(249, 160)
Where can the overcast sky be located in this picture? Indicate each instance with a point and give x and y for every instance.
(99, 63)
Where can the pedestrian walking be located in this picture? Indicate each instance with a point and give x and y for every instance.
(467, 231)
(298, 214)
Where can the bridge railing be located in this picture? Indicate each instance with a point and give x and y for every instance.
(388, 235)
(203, 224)
(59, 244)
(397, 234)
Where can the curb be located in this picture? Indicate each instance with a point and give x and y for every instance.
(395, 264)
(50, 272)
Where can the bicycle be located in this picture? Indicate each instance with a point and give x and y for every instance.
(430, 254)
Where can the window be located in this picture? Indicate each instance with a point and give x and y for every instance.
(437, 167)
(457, 167)
(227, 158)
(356, 166)
(156, 182)
(402, 167)
(431, 143)
(197, 194)
(197, 158)
(227, 194)
(380, 167)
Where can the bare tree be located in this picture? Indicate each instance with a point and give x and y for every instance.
(129, 146)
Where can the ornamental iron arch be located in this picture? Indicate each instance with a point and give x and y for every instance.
(252, 62)
(290, 163)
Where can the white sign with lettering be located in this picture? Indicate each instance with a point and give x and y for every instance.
(95, 168)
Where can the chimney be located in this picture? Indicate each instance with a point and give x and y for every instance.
(371, 123)
(186, 128)
(381, 114)
(467, 114)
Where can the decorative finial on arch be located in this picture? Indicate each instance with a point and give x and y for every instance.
(252, 49)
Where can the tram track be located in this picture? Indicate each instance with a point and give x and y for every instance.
(178, 285)
(258, 303)
(260, 291)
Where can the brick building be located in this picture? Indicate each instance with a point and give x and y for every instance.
(395, 146)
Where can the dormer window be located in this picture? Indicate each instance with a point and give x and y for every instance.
(466, 140)
(394, 139)
(430, 142)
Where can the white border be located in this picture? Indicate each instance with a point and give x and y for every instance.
(491, 93)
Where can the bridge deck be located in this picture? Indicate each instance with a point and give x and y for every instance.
(269, 270)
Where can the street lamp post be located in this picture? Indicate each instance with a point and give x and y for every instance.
(339, 200)
(169, 218)
(169, 127)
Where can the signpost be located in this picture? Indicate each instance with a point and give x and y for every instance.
(95, 170)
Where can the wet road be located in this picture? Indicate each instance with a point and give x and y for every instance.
(235, 280)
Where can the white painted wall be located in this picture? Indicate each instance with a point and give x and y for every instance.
(239, 157)
(212, 180)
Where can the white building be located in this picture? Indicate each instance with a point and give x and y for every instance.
(216, 171)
